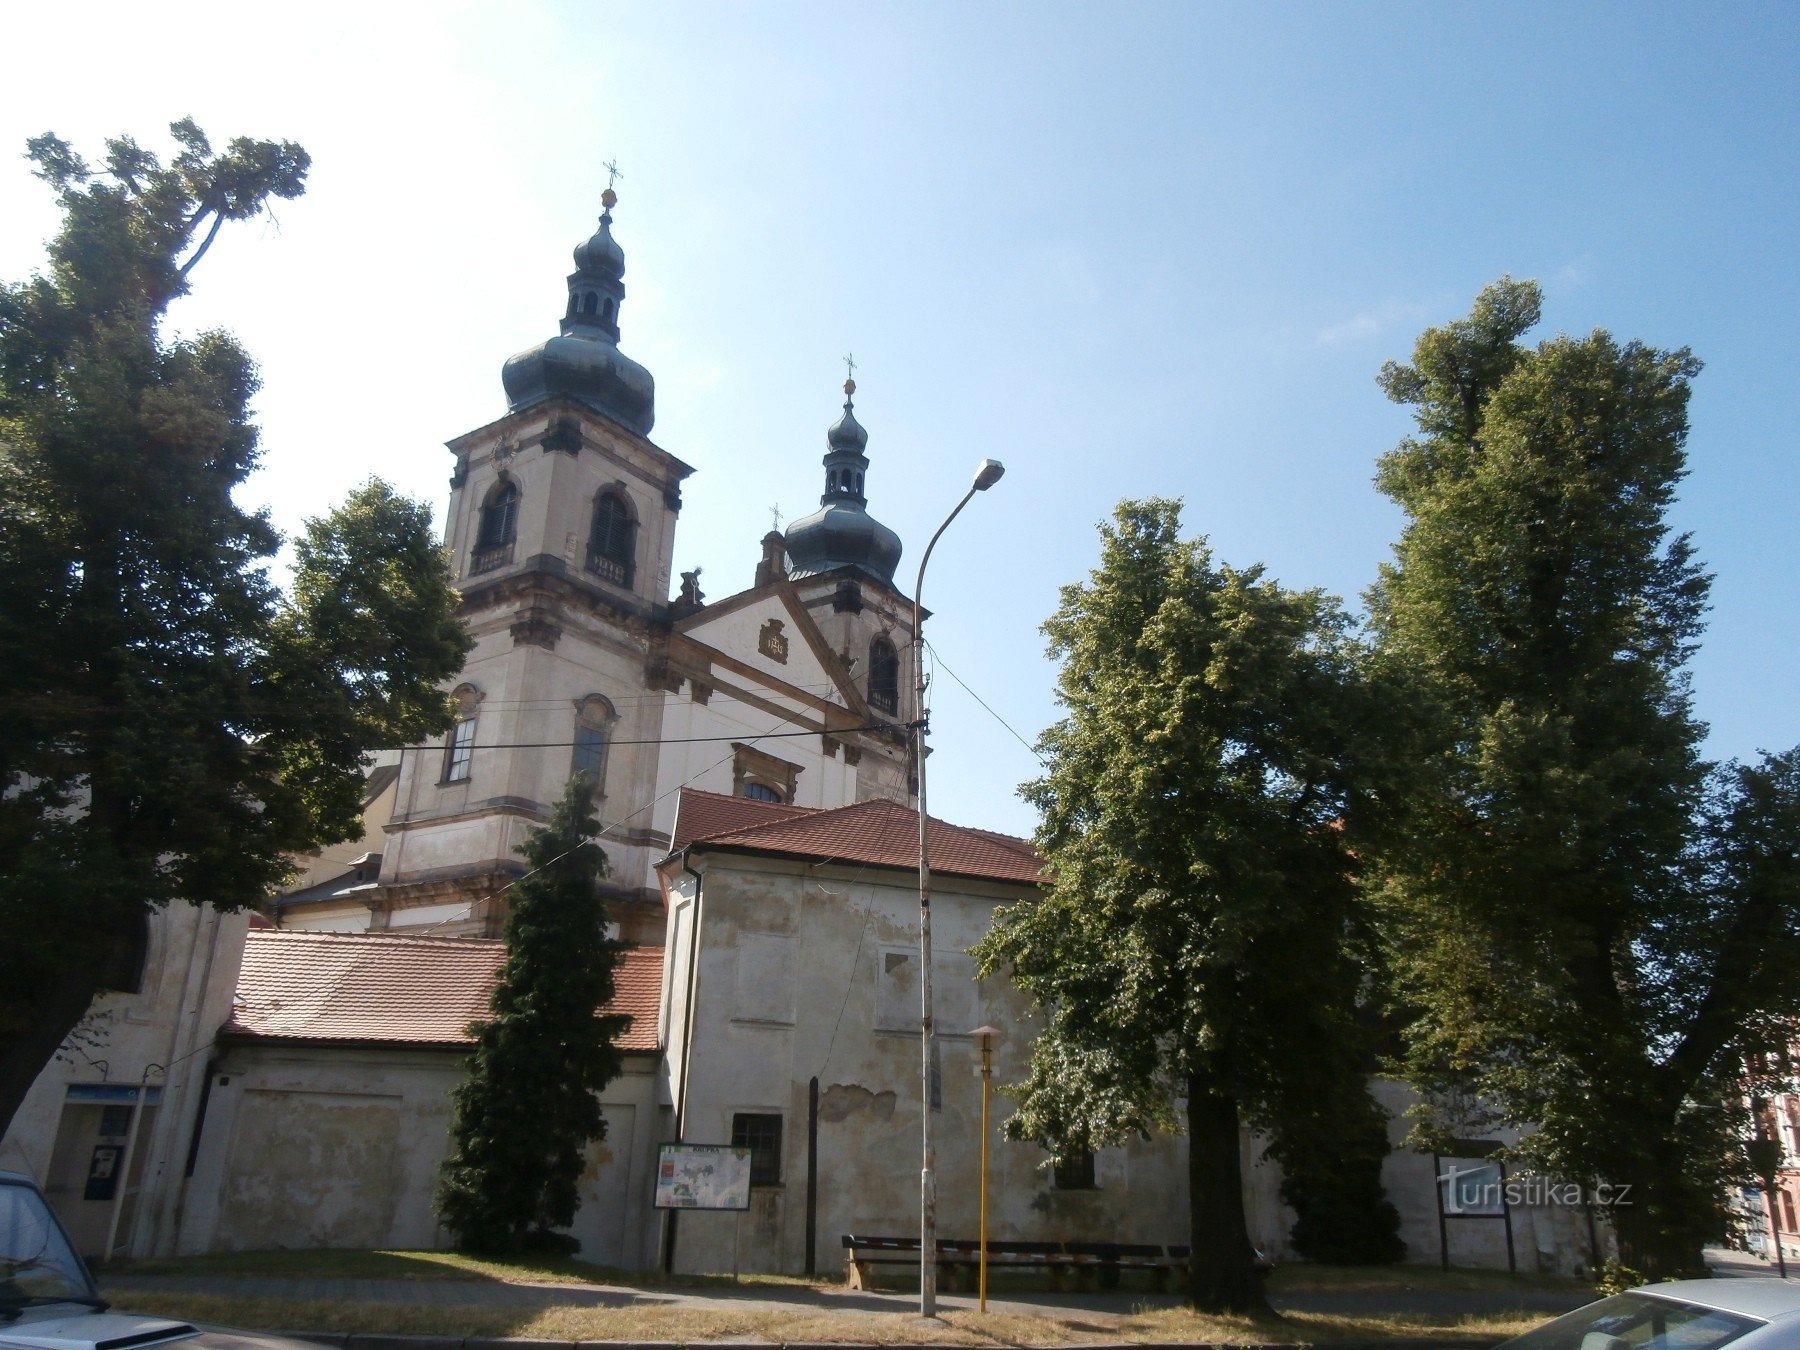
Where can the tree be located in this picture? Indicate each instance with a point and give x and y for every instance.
(1591, 927)
(175, 728)
(1195, 947)
(529, 1103)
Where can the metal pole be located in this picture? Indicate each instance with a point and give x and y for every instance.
(985, 477)
(987, 1074)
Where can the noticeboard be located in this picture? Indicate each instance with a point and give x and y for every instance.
(702, 1176)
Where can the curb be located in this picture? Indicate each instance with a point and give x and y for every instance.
(370, 1341)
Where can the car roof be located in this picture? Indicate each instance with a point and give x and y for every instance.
(1749, 1296)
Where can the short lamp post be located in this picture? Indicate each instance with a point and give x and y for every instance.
(986, 1037)
(986, 475)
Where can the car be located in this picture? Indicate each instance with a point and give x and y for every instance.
(1747, 1314)
(48, 1300)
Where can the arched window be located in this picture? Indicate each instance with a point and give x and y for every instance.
(459, 745)
(884, 676)
(591, 305)
(607, 312)
(613, 541)
(594, 717)
(499, 526)
(760, 792)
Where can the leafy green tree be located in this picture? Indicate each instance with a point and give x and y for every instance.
(1195, 949)
(1591, 927)
(529, 1104)
(175, 727)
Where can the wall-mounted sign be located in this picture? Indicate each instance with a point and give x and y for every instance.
(702, 1176)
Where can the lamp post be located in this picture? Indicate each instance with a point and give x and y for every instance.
(985, 1037)
(986, 475)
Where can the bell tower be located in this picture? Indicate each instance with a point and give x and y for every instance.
(561, 528)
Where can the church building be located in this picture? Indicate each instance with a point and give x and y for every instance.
(562, 526)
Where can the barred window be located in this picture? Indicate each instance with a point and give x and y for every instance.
(761, 1134)
(1074, 1171)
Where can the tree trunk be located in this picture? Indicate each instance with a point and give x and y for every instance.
(44, 1007)
(1221, 1266)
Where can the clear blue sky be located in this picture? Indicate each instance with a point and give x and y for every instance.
(1127, 249)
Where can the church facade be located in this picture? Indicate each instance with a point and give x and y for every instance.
(561, 525)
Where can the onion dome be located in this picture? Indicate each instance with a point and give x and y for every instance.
(584, 362)
(842, 533)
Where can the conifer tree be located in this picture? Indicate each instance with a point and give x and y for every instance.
(176, 728)
(529, 1104)
(1197, 941)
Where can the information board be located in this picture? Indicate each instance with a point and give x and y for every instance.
(702, 1176)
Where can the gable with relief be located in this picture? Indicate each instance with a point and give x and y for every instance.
(773, 644)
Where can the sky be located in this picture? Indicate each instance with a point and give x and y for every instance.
(1126, 249)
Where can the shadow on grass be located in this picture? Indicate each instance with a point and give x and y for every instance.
(362, 1264)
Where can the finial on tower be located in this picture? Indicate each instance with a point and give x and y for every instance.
(609, 198)
(849, 375)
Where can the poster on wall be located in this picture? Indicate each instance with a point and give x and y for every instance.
(702, 1176)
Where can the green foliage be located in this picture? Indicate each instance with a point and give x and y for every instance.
(1588, 924)
(529, 1104)
(162, 696)
(1331, 1179)
(1199, 935)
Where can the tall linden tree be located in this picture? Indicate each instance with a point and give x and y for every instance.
(1593, 930)
(176, 727)
(1196, 950)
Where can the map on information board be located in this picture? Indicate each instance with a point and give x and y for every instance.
(702, 1176)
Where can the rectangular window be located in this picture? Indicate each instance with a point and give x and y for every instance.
(459, 752)
(761, 1134)
(1075, 1172)
(590, 753)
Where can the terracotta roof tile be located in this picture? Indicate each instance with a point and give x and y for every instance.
(699, 814)
(400, 989)
(883, 834)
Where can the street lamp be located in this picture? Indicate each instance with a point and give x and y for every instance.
(985, 1037)
(986, 475)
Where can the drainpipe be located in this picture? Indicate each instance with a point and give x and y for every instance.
(673, 1216)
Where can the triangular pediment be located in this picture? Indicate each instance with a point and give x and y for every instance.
(764, 636)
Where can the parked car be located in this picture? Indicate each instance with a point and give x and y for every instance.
(48, 1300)
(1747, 1314)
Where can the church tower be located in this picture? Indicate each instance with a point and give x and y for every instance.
(561, 528)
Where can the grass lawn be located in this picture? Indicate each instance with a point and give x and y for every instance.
(647, 1318)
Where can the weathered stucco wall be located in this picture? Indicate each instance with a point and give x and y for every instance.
(151, 1041)
(336, 1146)
(808, 972)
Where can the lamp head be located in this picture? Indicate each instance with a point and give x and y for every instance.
(988, 473)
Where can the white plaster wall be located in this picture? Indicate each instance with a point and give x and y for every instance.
(158, 1037)
(853, 933)
(330, 1146)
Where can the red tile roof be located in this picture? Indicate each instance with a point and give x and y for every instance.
(699, 814)
(398, 989)
(876, 833)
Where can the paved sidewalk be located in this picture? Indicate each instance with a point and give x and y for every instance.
(494, 1294)
(1723, 1261)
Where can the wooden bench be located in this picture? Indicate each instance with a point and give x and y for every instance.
(1107, 1260)
(960, 1259)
